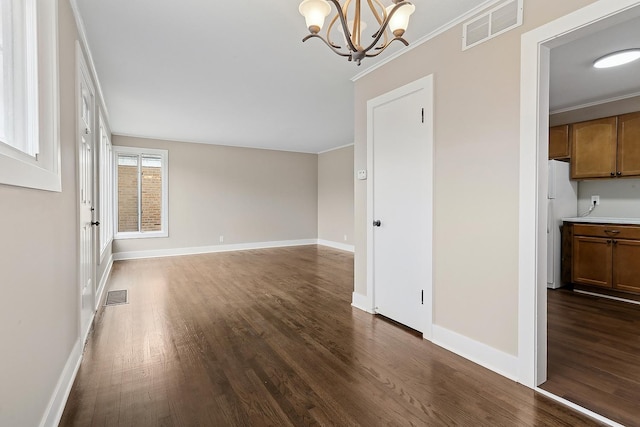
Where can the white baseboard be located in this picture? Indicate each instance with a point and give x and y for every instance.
(157, 253)
(337, 245)
(579, 408)
(495, 360)
(103, 282)
(361, 302)
(53, 414)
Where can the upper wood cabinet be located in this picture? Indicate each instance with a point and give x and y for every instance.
(628, 161)
(605, 148)
(559, 142)
(593, 148)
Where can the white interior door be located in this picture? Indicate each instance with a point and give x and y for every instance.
(402, 182)
(86, 142)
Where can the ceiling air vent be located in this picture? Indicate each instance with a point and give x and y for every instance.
(490, 24)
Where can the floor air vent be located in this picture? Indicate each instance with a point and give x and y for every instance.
(496, 21)
(117, 297)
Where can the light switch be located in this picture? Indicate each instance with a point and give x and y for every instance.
(362, 174)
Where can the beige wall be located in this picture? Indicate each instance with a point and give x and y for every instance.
(38, 281)
(476, 135)
(246, 195)
(335, 195)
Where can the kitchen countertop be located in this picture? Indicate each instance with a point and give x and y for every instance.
(604, 220)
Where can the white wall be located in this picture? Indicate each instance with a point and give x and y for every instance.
(335, 196)
(246, 195)
(619, 197)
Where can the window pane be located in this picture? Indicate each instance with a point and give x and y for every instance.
(5, 70)
(127, 193)
(151, 215)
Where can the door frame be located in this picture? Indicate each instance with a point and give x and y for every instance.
(534, 124)
(82, 72)
(423, 84)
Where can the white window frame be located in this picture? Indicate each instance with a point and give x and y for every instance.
(164, 155)
(34, 161)
(106, 185)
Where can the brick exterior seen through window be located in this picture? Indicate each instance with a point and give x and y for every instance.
(151, 206)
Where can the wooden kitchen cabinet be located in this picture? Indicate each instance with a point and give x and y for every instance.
(592, 261)
(604, 148)
(626, 268)
(605, 256)
(628, 149)
(559, 142)
(594, 148)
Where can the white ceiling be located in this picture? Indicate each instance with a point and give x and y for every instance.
(231, 72)
(237, 72)
(574, 81)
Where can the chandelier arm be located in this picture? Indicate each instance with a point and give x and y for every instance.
(381, 49)
(382, 29)
(336, 51)
(355, 34)
(379, 19)
(333, 21)
(345, 27)
(375, 12)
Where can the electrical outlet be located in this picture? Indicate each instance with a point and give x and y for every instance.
(345, 237)
(221, 239)
(596, 200)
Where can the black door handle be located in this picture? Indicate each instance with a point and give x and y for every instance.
(95, 222)
(376, 223)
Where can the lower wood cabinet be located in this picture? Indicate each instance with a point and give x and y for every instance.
(626, 265)
(605, 256)
(592, 261)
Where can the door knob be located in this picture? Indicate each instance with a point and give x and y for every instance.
(376, 223)
(95, 222)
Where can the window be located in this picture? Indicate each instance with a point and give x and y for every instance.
(29, 134)
(106, 187)
(142, 185)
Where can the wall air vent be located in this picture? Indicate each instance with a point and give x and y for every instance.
(496, 21)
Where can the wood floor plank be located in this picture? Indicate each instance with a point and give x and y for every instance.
(269, 337)
(594, 354)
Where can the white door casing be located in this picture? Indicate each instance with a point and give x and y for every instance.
(85, 119)
(400, 196)
(534, 111)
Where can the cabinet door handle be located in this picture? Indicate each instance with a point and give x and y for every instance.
(608, 241)
(615, 242)
(613, 174)
(612, 231)
(619, 173)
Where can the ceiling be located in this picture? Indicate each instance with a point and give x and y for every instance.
(573, 79)
(237, 73)
(231, 72)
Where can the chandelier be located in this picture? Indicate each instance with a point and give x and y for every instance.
(394, 18)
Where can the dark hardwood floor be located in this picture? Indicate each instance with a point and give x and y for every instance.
(594, 354)
(268, 337)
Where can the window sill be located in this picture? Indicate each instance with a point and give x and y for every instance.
(141, 235)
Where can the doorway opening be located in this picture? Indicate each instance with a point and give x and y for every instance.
(535, 101)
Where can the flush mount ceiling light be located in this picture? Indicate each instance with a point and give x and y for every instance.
(394, 18)
(617, 58)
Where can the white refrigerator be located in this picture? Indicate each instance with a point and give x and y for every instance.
(562, 202)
